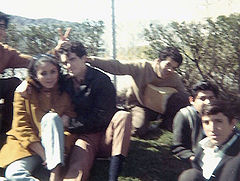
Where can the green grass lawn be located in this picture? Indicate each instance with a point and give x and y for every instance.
(149, 159)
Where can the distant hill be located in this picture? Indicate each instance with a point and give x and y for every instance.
(27, 21)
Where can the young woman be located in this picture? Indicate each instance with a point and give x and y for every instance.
(37, 134)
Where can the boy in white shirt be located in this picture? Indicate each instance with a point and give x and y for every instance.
(221, 145)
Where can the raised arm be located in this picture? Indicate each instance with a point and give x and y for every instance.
(116, 67)
(11, 58)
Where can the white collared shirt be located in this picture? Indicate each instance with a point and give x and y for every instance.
(211, 157)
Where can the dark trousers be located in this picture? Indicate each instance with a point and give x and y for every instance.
(7, 88)
(192, 174)
(231, 170)
(141, 116)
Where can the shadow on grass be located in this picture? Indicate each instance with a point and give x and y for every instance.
(149, 159)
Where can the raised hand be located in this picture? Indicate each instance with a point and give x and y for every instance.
(66, 34)
(62, 38)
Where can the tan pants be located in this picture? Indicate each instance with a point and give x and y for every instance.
(114, 141)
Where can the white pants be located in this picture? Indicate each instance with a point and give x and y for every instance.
(53, 142)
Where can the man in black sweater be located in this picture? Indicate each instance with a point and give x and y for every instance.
(99, 130)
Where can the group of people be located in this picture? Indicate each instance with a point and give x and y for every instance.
(64, 121)
(205, 135)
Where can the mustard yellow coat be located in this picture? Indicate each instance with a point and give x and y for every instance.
(26, 124)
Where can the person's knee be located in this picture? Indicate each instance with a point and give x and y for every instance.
(12, 171)
(125, 117)
(191, 175)
(177, 101)
(140, 131)
(51, 118)
(72, 172)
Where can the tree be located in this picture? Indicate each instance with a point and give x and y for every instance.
(40, 37)
(37, 37)
(211, 50)
(89, 33)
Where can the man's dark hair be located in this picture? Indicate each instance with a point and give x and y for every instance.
(204, 86)
(173, 53)
(5, 18)
(74, 47)
(229, 109)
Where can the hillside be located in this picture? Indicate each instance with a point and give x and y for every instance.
(27, 21)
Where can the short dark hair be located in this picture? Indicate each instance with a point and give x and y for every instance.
(173, 53)
(38, 60)
(74, 47)
(204, 86)
(5, 18)
(229, 109)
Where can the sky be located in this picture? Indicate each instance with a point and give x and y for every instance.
(131, 15)
(126, 10)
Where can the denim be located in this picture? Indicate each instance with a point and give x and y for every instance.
(52, 135)
(21, 170)
(52, 139)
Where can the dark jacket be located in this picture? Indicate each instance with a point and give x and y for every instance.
(187, 132)
(231, 152)
(94, 101)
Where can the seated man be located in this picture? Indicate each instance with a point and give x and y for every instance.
(159, 73)
(9, 58)
(221, 145)
(100, 130)
(187, 126)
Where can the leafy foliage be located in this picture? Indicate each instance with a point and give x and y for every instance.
(210, 49)
(39, 38)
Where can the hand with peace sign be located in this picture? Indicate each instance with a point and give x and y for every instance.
(65, 36)
(63, 39)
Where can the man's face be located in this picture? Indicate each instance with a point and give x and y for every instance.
(217, 128)
(2, 30)
(202, 97)
(166, 67)
(73, 63)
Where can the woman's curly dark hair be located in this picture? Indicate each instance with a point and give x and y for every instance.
(39, 60)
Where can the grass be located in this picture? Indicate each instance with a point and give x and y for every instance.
(149, 159)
